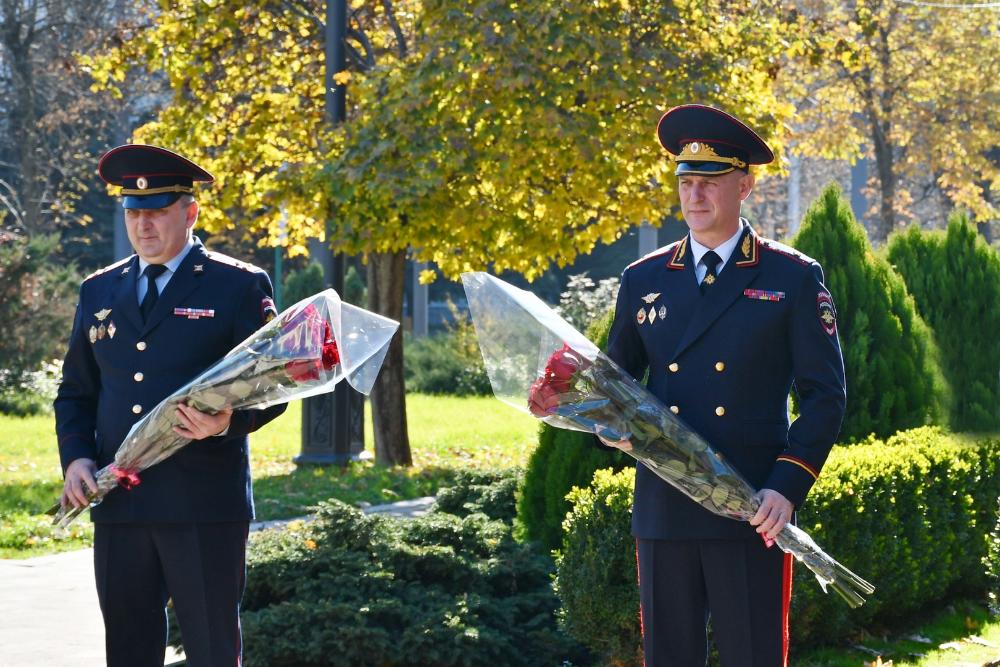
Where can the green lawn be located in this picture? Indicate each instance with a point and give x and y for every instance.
(445, 433)
(969, 638)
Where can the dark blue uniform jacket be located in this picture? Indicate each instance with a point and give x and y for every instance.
(725, 363)
(111, 381)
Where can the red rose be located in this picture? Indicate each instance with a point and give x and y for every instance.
(331, 354)
(543, 398)
(562, 366)
(303, 370)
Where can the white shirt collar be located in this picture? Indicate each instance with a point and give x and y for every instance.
(724, 250)
(173, 263)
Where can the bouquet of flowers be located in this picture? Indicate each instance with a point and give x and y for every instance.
(304, 351)
(537, 362)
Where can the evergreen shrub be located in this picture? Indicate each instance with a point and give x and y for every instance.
(894, 381)
(910, 514)
(448, 362)
(992, 563)
(562, 460)
(954, 277)
(443, 589)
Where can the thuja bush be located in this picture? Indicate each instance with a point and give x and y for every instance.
(450, 588)
(954, 277)
(894, 381)
(912, 514)
(562, 460)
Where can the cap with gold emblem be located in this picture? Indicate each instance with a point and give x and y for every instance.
(710, 142)
(150, 176)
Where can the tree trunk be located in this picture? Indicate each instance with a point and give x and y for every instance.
(887, 186)
(386, 280)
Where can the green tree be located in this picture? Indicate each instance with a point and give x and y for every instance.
(36, 303)
(479, 133)
(913, 85)
(954, 278)
(894, 381)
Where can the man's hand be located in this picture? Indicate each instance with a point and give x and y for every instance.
(774, 513)
(624, 445)
(79, 479)
(200, 425)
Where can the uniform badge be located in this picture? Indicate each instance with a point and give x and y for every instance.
(125, 270)
(101, 315)
(101, 330)
(198, 268)
(763, 294)
(92, 334)
(141, 183)
(267, 310)
(640, 317)
(195, 313)
(651, 297)
(708, 279)
(111, 329)
(652, 314)
(827, 312)
(746, 246)
(662, 312)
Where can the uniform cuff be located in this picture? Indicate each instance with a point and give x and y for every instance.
(792, 477)
(76, 446)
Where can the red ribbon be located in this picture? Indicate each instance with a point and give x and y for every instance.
(126, 478)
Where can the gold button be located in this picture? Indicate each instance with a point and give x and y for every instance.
(138, 377)
(141, 345)
(136, 408)
(720, 411)
(719, 366)
(674, 367)
(674, 409)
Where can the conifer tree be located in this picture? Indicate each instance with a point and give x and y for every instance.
(894, 381)
(954, 278)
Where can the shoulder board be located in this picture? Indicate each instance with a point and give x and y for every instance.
(659, 252)
(230, 261)
(112, 267)
(787, 251)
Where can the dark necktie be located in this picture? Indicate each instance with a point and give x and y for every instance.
(152, 272)
(711, 262)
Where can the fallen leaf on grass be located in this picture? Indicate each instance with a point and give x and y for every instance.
(979, 641)
(878, 663)
(920, 639)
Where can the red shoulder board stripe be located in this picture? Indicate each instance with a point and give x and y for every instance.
(116, 265)
(659, 252)
(787, 252)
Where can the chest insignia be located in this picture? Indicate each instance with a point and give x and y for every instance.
(652, 314)
(194, 313)
(662, 312)
(763, 294)
(651, 297)
(92, 335)
(640, 317)
(198, 268)
(101, 315)
(111, 329)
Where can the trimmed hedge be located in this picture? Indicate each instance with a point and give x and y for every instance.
(992, 563)
(562, 460)
(444, 589)
(911, 514)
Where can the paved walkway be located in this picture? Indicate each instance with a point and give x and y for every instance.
(48, 605)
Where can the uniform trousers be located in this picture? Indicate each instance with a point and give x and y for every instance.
(743, 587)
(201, 567)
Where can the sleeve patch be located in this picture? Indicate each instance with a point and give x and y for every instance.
(267, 310)
(827, 313)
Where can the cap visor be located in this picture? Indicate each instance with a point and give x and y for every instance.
(162, 200)
(703, 168)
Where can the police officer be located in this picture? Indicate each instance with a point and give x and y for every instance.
(726, 324)
(181, 533)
